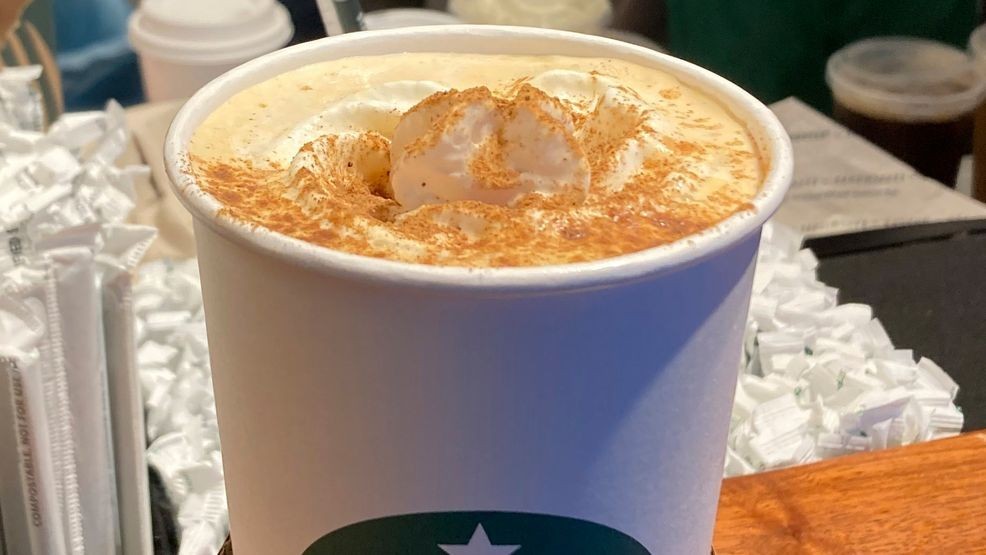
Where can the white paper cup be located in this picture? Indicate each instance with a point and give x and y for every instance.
(584, 16)
(184, 44)
(352, 388)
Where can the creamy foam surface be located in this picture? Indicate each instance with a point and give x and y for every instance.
(477, 160)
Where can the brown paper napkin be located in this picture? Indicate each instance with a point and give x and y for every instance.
(156, 202)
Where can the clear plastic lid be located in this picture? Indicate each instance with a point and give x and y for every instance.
(905, 79)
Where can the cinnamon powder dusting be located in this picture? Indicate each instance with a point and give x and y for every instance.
(536, 230)
(336, 193)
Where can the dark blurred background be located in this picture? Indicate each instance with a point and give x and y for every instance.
(773, 48)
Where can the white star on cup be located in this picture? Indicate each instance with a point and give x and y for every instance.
(479, 544)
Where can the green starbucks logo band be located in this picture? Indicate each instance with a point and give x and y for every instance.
(476, 533)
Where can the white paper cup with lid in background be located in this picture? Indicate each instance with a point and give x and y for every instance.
(373, 406)
(397, 18)
(913, 97)
(184, 44)
(583, 16)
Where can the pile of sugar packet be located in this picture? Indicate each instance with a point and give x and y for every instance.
(181, 413)
(820, 379)
(73, 475)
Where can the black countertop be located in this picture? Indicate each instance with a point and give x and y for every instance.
(931, 297)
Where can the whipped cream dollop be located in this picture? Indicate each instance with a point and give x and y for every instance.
(421, 143)
(471, 145)
(478, 160)
(620, 130)
(374, 109)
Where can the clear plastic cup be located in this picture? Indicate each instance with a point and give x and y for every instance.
(977, 46)
(365, 402)
(913, 97)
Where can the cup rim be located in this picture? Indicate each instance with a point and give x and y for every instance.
(770, 136)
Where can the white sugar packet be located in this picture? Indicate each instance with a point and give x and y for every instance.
(20, 99)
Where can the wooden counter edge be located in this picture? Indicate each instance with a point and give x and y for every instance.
(924, 498)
